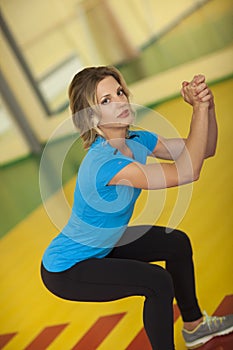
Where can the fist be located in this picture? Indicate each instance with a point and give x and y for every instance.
(197, 91)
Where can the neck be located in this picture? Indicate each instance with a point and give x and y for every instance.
(116, 137)
(118, 143)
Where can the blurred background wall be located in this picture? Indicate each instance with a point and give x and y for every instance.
(44, 43)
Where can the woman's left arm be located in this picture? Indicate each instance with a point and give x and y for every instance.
(212, 131)
(170, 149)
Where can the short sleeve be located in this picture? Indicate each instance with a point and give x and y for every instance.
(110, 168)
(147, 139)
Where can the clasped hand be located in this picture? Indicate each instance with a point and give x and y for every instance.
(197, 92)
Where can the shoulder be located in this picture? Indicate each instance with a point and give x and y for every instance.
(100, 156)
(100, 164)
(146, 138)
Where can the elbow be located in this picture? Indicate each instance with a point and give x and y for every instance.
(188, 174)
(210, 154)
(211, 151)
(189, 178)
(196, 177)
(197, 173)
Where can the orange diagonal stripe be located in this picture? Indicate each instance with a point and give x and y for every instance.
(46, 337)
(141, 340)
(98, 332)
(5, 338)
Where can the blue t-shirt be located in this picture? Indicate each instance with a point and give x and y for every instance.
(100, 213)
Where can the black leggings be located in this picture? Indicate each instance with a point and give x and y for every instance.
(125, 272)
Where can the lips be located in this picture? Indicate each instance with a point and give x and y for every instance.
(124, 114)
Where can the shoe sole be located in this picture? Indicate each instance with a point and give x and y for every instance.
(204, 340)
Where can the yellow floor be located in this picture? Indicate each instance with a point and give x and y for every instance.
(27, 309)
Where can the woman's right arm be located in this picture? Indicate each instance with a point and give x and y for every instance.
(186, 168)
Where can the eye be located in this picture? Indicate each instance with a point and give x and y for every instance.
(120, 92)
(105, 101)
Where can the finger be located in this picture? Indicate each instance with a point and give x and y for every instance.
(193, 82)
(192, 88)
(202, 95)
(204, 92)
(185, 83)
(200, 78)
(206, 98)
(187, 88)
(201, 87)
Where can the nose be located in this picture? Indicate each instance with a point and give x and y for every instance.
(117, 98)
(120, 103)
(120, 98)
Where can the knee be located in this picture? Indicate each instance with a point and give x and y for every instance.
(162, 284)
(183, 244)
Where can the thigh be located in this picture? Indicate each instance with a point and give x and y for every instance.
(152, 243)
(108, 279)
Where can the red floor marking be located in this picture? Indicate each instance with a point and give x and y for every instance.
(5, 338)
(98, 332)
(104, 325)
(46, 337)
(226, 306)
(219, 343)
(224, 342)
(176, 312)
(141, 340)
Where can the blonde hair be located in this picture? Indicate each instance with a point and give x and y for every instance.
(83, 100)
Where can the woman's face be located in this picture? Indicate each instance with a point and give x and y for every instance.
(114, 105)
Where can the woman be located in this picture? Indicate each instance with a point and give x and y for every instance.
(97, 257)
